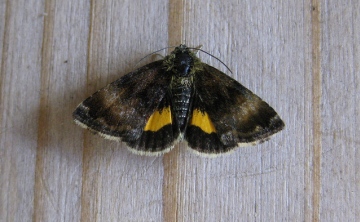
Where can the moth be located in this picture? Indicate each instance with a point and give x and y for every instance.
(178, 98)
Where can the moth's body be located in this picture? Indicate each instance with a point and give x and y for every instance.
(178, 98)
(182, 90)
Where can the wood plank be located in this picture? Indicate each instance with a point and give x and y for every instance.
(340, 187)
(21, 36)
(59, 154)
(313, 133)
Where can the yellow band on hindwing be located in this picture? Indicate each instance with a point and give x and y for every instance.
(159, 119)
(202, 120)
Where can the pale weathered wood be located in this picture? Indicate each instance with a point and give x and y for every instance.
(302, 57)
(340, 177)
(59, 153)
(21, 37)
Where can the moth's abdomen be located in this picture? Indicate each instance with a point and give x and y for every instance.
(181, 99)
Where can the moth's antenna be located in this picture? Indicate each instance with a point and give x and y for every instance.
(152, 54)
(199, 49)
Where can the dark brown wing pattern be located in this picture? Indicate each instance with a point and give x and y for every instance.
(120, 110)
(239, 117)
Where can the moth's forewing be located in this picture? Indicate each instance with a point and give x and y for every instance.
(121, 111)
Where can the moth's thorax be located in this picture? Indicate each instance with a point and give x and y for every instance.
(182, 62)
(182, 91)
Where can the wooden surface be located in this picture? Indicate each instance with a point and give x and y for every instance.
(302, 57)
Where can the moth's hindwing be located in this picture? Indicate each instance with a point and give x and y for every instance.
(134, 109)
(227, 115)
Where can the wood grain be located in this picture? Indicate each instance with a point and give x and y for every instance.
(316, 97)
(21, 35)
(340, 112)
(58, 161)
(302, 57)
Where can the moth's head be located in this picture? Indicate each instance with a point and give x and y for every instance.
(181, 61)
